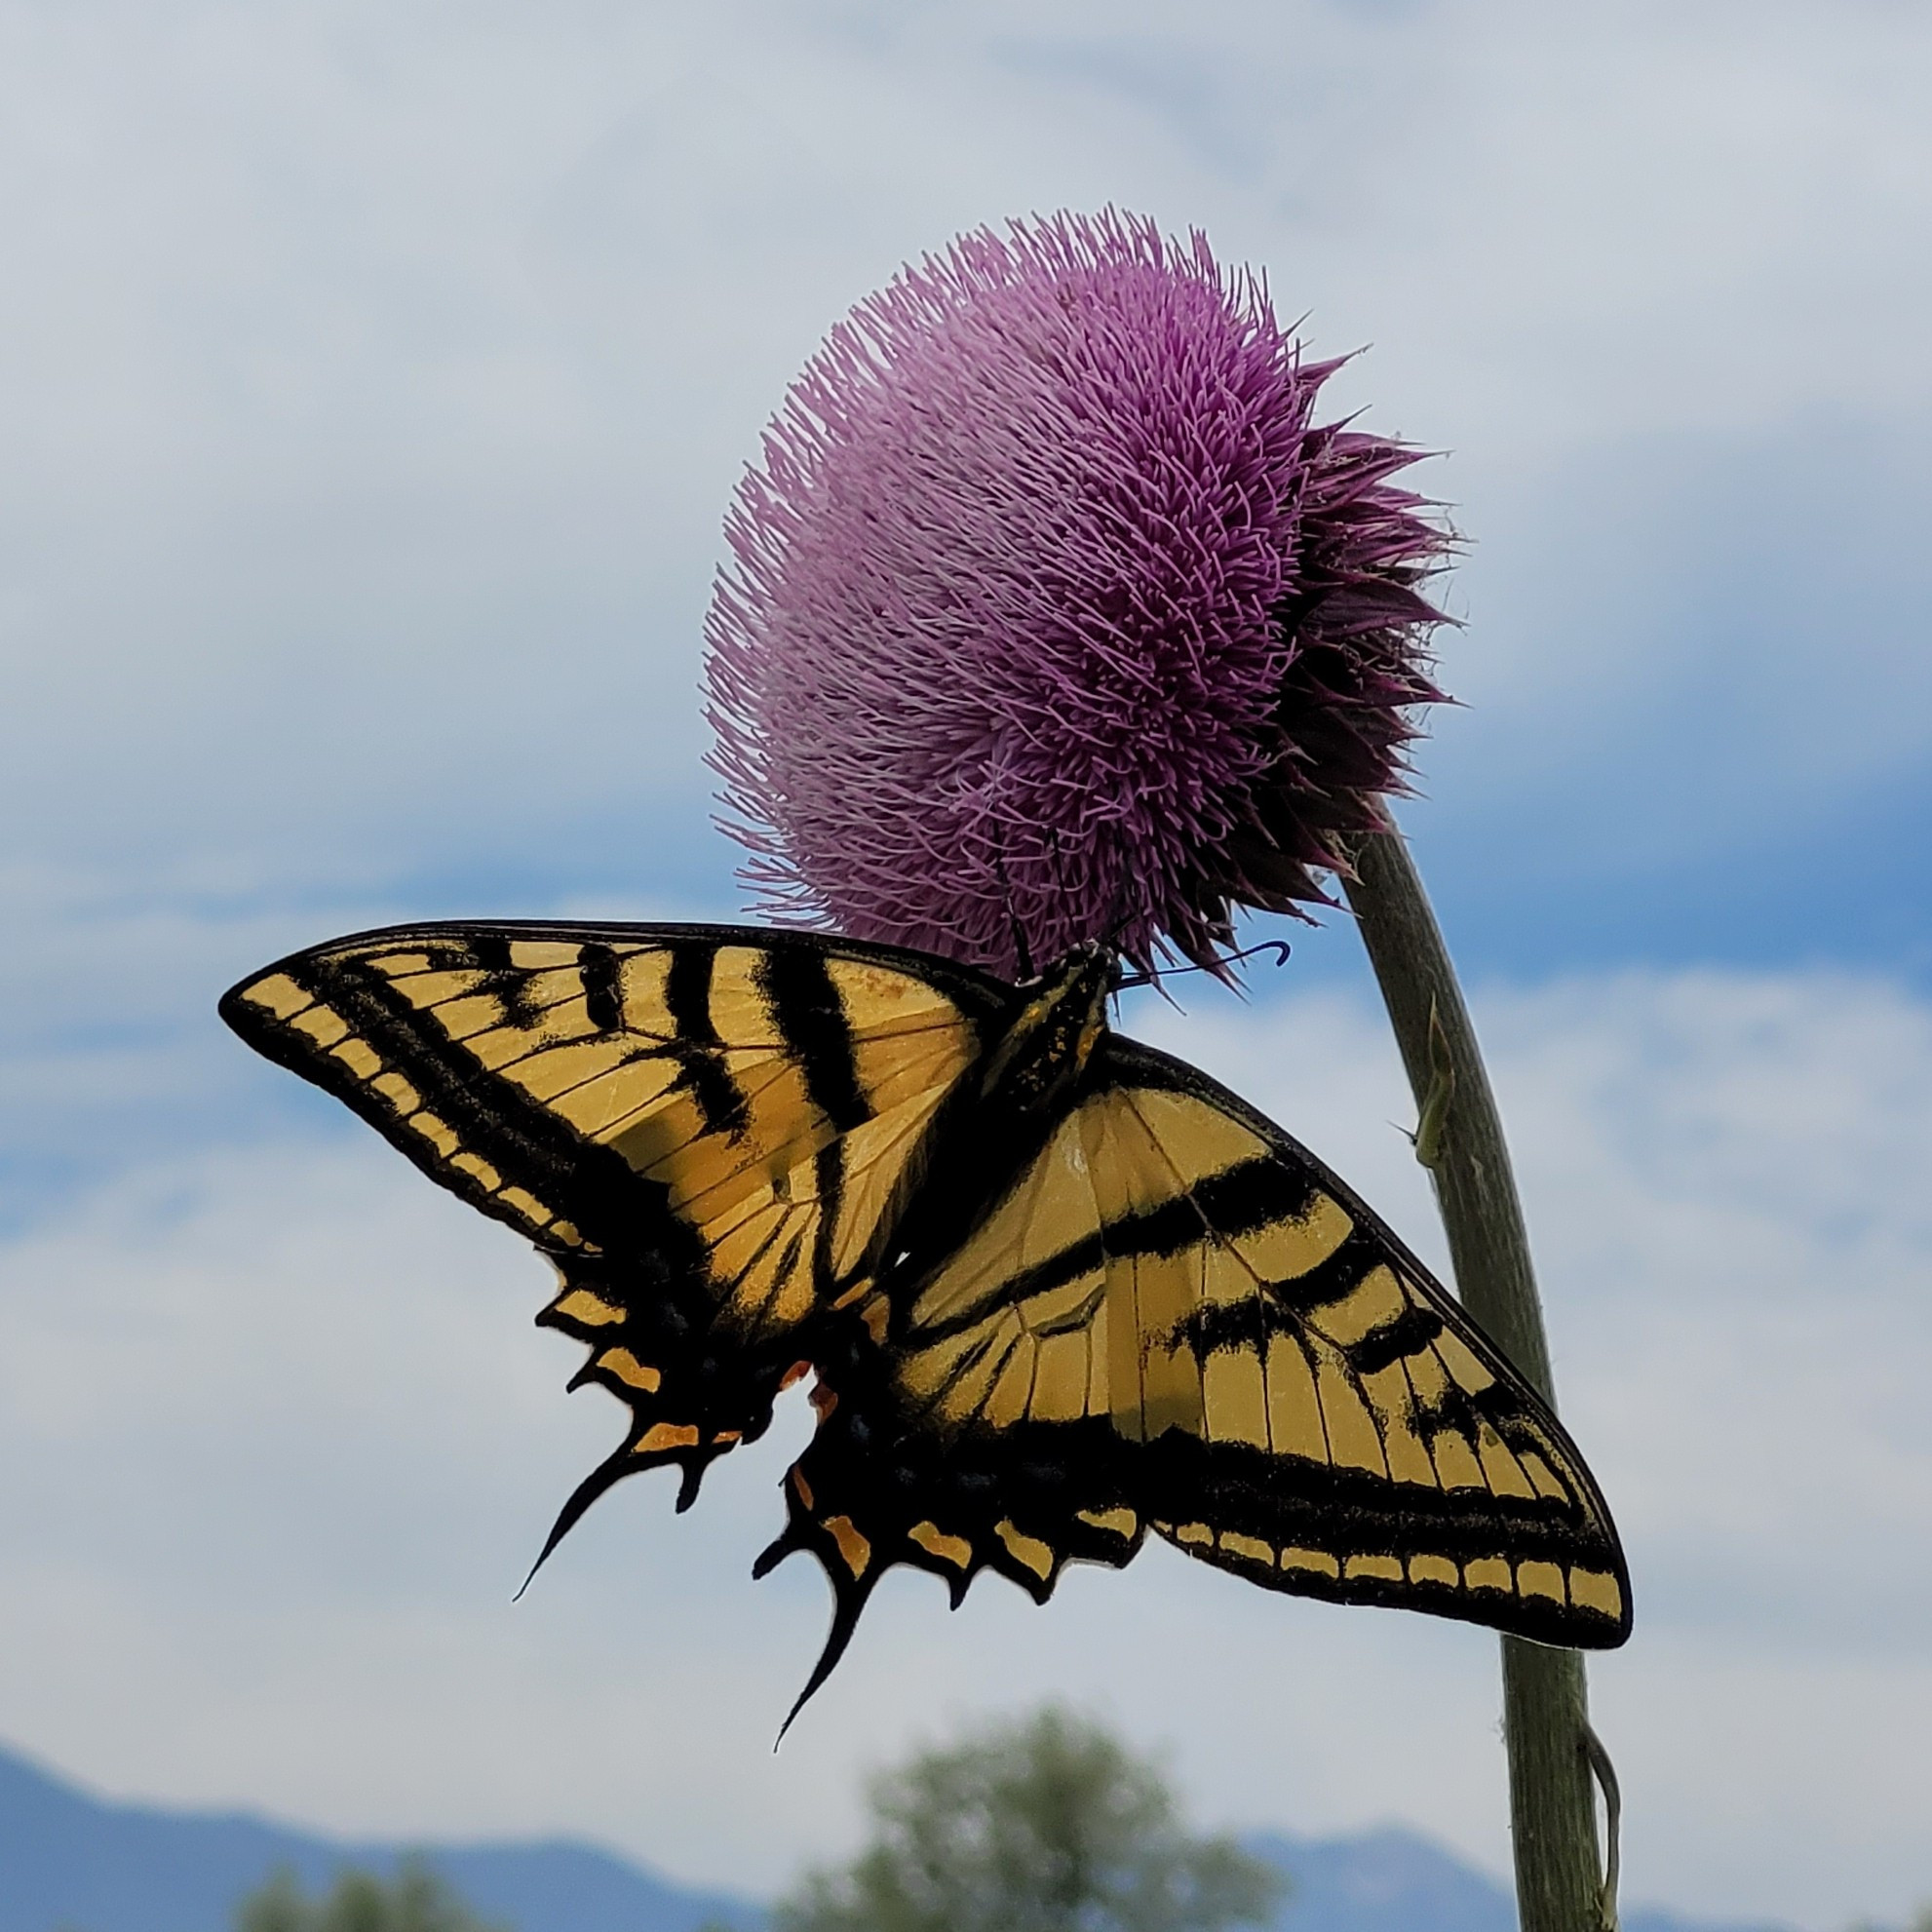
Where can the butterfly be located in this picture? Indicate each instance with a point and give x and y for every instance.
(1057, 1289)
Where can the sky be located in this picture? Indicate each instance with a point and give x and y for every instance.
(372, 383)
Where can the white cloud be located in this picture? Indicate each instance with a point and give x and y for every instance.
(284, 1445)
(371, 387)
(376, 382)
(1725, 1177)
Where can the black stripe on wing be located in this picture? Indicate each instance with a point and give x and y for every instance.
(812, 1018)
(1233, 1202)
(706, 1075)
(589, 1185)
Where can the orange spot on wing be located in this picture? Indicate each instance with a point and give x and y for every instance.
(665, 1436)
(852, 1545)
(930, 1537)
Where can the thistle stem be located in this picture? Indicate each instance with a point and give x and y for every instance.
(1560, 1884)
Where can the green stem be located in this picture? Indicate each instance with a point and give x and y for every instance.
(1560, 1884)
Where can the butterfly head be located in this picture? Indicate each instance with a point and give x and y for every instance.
(1060, 1020)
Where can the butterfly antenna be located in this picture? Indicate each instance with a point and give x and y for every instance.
(1117, 919)
(1021, 951)
(1277, 946)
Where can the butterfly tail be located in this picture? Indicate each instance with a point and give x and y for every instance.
(846, 1558)
(847, 1604)
(604, 1477)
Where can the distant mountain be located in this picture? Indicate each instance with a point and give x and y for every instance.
(1393, 1880)
(73, 1863)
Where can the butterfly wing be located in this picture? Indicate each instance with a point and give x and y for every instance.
(1177, 1319)
(707, 1128)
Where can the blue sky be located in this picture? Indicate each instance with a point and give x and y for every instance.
(372, 382)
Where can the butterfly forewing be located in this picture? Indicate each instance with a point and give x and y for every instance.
(706, 1132)
(1177, 1318)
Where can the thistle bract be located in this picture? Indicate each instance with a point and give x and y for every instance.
(1053, 613)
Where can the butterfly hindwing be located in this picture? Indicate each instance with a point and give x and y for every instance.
(1175, 1318)
(705, 1129)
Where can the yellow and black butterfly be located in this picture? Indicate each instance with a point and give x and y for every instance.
(1059, 1288)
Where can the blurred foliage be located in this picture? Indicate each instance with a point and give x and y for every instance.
(415, 1900)
(1048, 1825)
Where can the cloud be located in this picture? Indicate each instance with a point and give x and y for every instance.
(376, 386)
(370, 396)
(1723, 1173)
(291, 1446)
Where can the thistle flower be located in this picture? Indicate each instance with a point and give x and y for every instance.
(1054, 615)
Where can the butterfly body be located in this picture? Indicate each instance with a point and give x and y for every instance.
(1034, 1058)
(1058, 1288)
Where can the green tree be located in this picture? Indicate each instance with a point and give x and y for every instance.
(1050, 1825)
(415, 1900)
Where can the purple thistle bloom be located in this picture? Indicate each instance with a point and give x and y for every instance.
(1053, 610)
